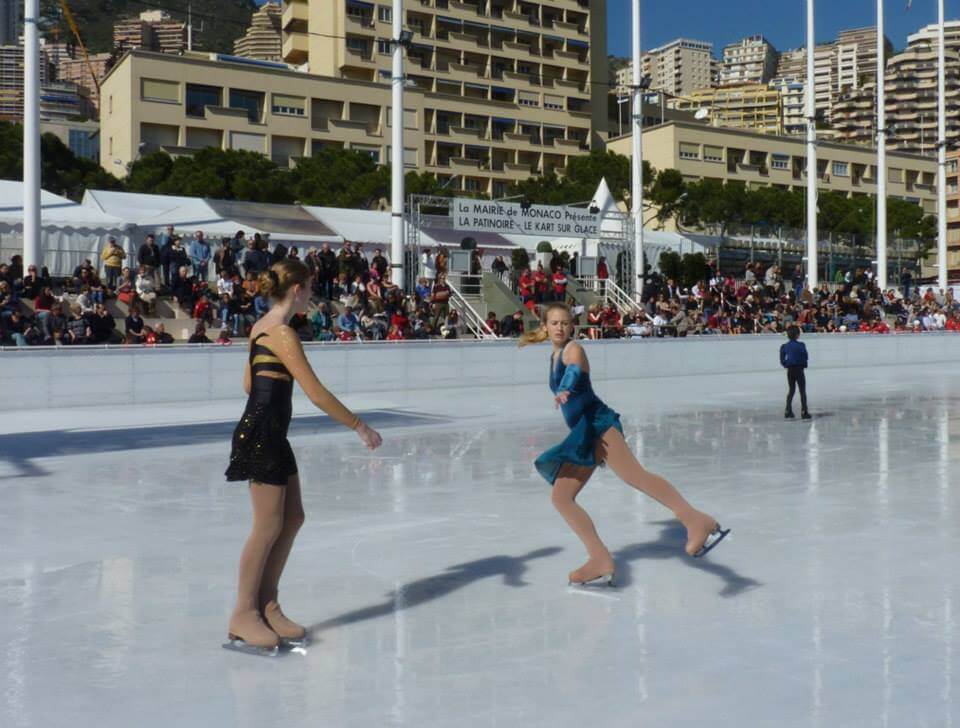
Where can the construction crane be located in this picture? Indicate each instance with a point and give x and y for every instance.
(76, 34)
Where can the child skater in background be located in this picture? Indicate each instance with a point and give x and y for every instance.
(793, 358)
(596, 437)
(262, 455)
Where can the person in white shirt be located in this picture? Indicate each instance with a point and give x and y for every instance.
(428, 265)
(146, 289)
(224, 284)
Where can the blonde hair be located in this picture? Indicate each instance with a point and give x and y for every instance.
(539, 335)
(282, 276)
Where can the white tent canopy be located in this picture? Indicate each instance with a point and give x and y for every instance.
(288, 224)
(70, 232)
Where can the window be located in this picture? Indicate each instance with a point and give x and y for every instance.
(248, 142)
(780, 161)
(527, 98)
(712, 154)
(110, 103)
(841, 169)
(409, 156)
(409, 118)
(252, 101)
(358, 45)
(689, 151)
(159, 135)
(894, 175)
(166, 91)
(199, 97)
(290, 105)
(553, 102)
(952, 166)
(385, 13)
(383, 48)
(373, 152)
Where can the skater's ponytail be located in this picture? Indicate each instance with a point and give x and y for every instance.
(281, 277)
(539, 335)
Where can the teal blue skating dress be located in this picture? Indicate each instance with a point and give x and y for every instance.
(586, 415)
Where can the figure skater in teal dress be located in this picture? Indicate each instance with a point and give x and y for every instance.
(595, 438)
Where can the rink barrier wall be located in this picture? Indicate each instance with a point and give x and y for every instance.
(32, 378)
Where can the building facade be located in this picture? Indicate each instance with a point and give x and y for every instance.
(549, 56)
(150, 101)
(751, 106)
(752, 60)
(82, 137)
(154, 30)
(679, 68)
(11, 21)
(58, 100)
(731, 155)
(263, 40)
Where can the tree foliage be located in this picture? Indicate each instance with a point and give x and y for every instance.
(581, 178)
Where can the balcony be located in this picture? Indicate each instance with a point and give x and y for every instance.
(462, 72)
(294, 12)
(362, 24)
(462, 164)
(463, 134)
(353, 131)
(468, 39)
(361, 58)
(296, 47)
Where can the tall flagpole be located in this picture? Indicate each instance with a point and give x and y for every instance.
(881, 152)
(941, 153)
(32, 254)
(812, 272)
(397, 170)
(636, 193)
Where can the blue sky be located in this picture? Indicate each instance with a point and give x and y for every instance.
(783, 22)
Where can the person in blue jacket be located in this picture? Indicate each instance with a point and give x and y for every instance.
(793, 358)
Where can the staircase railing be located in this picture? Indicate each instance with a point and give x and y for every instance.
(610, 292)
(468, 314)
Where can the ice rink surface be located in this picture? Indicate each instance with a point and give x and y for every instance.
(433, 572)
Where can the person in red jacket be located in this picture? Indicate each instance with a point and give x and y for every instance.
(541, 283)
(526, 286)
(396, 333)
(559, 282)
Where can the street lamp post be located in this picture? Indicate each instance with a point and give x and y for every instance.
(941, 153)
(811, 153)
(32, 254)
(881, 152)
(636, 197)
(396, 152)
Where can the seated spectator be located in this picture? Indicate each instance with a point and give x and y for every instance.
(15, 327)
(224, 338)
(260, 306)
(225, 282)
(374, 325)
(133, 327)
(422, 290)
(452, 328)
(103, 329)
(81, 275)
(322, 323)
(493, 323)
(160, 335)
(33, 282)
(348, 322)
(395, 334)
(182, 287)
(199, 335)
(78, 330)
(146, 290)
(55, 325)
(229, 314)
(126, 288)
(85, 300)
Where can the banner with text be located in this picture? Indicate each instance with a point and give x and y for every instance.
(510, 217)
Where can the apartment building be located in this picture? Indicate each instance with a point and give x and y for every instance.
(509, 53)
(679, 68)
(77, 70)
(11, 21)
(153, 30)
(732, 155)
(750, 106)
(911, 86)
(58, 100)
(263, 40)
(183, 103)
(953, 213)
(749, 61)
(793, 103)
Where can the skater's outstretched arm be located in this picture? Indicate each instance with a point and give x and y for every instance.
(575, 359)
(286, 345)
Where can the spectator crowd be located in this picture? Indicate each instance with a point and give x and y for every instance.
(356, 298)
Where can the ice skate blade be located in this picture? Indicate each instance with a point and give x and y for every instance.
(716, 536)
(298, 647)
(604, 580)
(241, 646)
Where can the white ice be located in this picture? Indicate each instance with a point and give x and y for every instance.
(433, 572)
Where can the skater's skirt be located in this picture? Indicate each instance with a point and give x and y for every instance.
(260, 451)
(579, 448)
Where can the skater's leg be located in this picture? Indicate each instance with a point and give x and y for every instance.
(566, 488)
(613, 448)
(246, 622)
(269, 584)
(802, 384)
(792, 384)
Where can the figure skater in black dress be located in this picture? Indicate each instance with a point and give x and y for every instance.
(262, 455)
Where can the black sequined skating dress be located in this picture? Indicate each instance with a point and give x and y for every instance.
(260, 450)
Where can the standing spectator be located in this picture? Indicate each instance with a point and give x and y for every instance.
(149, 257)
(253, 260)
(441, 260)
(345, 263)
(199, 252)
(559, 282)
(326, 271)
(237, 244)
(428, 266)
(440, 300)
(906, 280)
(499, 266)
(476, 273)
(379, 263)
(176, 258)
(360, 264)
(603, 273)
(112, 256)
(165, 242)
(223, 259)
(526, 287)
